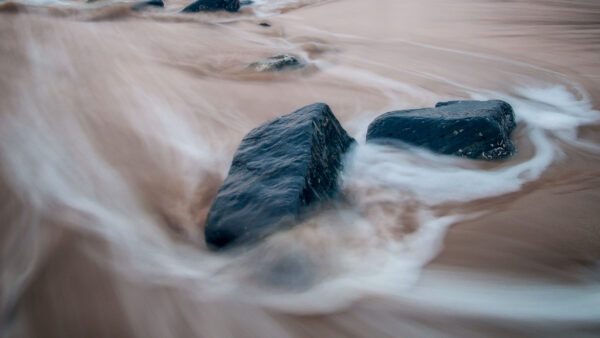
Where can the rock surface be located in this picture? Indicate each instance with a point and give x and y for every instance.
(473, 129)
(281, 168)
(150, 3)
(212, 5)
(276, 63)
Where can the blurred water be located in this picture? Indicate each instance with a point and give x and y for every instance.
(115, 135)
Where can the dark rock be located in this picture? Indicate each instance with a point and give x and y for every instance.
(265, 24)
(150, 3)
(276, 63)
(279, 171)
(246, 2)
(213, 5)
(473, 129)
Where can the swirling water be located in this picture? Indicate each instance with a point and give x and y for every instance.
(117, 127)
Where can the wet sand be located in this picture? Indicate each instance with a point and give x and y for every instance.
(118, 128)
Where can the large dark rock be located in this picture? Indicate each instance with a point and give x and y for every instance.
(213, 5)
(280, 170)
(473, 129)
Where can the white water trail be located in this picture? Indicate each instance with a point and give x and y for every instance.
(351, 252)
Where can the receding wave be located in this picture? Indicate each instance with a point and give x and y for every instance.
(117, 128)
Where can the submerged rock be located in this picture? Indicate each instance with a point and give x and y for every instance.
(280, 169)
(276, 63)
(212, 5)
(473, 129)
(150, 3)
(290, 271)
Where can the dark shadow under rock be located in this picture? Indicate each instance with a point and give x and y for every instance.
(473, 129)
(280, 170)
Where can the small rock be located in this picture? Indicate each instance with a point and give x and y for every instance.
(473, 129)
(212, 5)
(150, 3)
(265, 24)
(289, 271)
(280, 169)
(276, 63)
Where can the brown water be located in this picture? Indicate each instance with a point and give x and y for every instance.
(117, 128)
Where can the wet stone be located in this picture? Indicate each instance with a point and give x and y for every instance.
(212, 5)
(150, 3)
(473, 129)
(276, 63)
(280, 172)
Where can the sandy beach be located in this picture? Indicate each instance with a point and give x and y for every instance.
(117, 128)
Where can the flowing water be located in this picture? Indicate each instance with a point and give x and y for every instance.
(117, 127)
